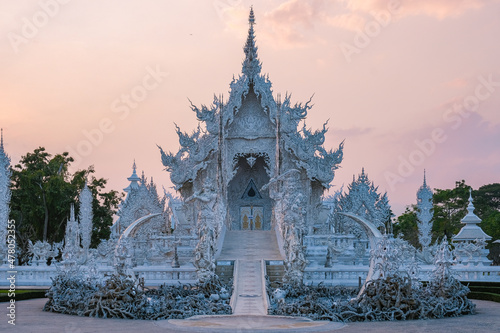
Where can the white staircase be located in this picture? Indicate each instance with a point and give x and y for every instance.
(249, 249)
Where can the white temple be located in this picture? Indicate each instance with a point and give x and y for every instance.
(251, 180)
(251, 167)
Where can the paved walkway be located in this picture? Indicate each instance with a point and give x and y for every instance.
(249, 249)
(31, 318)
(249, 295)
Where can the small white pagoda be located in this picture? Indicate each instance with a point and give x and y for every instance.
(470, 242)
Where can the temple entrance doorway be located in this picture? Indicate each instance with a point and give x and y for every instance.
(249, 207)
(251, 217)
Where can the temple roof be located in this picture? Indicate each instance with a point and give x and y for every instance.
(134, 179)
(223, 119)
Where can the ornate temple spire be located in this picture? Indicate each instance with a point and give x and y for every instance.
(71, 237)
(5, 195)
(424, 214)
(4, 158)
(86, 216)
(251, 64)
(134, 178)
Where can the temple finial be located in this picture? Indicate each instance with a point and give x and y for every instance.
(470, 206)
(251, 17)
(1, 138)
(425, 181)
(133, 179)
(251, 64)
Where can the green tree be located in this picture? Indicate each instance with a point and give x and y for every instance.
(407, 225)
(43, 190)
(487, 204)
(450, 206)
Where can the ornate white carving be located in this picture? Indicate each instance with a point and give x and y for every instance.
(443, 261)
(142, 200)
(5, 196)
(306, 147)
(251, 158)
(363, 200)
(251, 161)
(72, 252)
(42, 251)
(205, 205)
(424, 215)
(85, 216)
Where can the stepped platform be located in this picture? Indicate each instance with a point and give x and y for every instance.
(250, 245)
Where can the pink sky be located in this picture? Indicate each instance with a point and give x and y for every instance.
(409, 84)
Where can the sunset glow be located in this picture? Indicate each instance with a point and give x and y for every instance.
(410, 85)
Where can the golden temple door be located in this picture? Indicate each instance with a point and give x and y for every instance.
(251, 217)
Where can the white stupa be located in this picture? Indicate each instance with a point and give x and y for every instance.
(471, 231)
(470, 242)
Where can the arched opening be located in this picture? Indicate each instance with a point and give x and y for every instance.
(249, 208)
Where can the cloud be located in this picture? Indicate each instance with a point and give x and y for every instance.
(457, 83)
(288, 22)
(439, 9)
(350, 132)
(286, 25)
(291, 23)
(468, 151)
(235, 18)
(349, 21)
